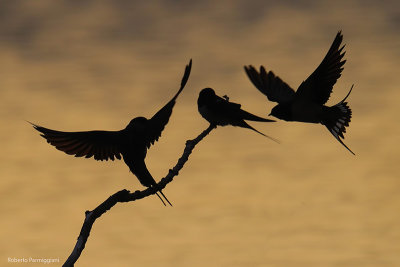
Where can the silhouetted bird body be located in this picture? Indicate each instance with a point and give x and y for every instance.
(307, 103)
(219, 111)
(132, 142)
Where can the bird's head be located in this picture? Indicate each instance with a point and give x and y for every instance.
(206, 95)
(282, 112)
(137, 124)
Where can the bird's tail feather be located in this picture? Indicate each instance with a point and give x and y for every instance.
(160, 199)
(245, 125)
(166, 199)
(251, 117)
(339, 117)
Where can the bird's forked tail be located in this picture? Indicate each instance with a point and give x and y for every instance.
(339, 117)
(166, 199)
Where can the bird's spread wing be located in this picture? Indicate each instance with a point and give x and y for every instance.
(102, 145)
(270, 85)
(157, 123)
(319, 84)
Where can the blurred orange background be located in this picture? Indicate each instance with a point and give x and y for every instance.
(241, 200)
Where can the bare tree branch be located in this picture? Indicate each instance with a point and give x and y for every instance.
(126, 196)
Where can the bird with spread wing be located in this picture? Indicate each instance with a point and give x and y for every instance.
(131, 143)
(307, 104)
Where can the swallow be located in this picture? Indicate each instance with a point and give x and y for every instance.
(219, 111)
(307, 104)
(131, 143)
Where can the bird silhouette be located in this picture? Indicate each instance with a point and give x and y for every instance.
(307, 103)
(219, 111)
(132, 142)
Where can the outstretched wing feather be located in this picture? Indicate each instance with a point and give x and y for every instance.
(158, 122)
(270, 85)
(102, 145)
(318, 86)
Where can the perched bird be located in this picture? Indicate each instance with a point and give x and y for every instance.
(132, 142)
(307, 103)
(219, 111)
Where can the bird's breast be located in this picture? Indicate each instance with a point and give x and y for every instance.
(212, 116)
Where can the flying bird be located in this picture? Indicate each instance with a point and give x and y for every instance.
(131, 143)
(307, 104)
(219, 111)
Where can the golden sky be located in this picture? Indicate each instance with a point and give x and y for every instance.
(241, 200)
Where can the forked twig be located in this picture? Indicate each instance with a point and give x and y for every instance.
(127, 196)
